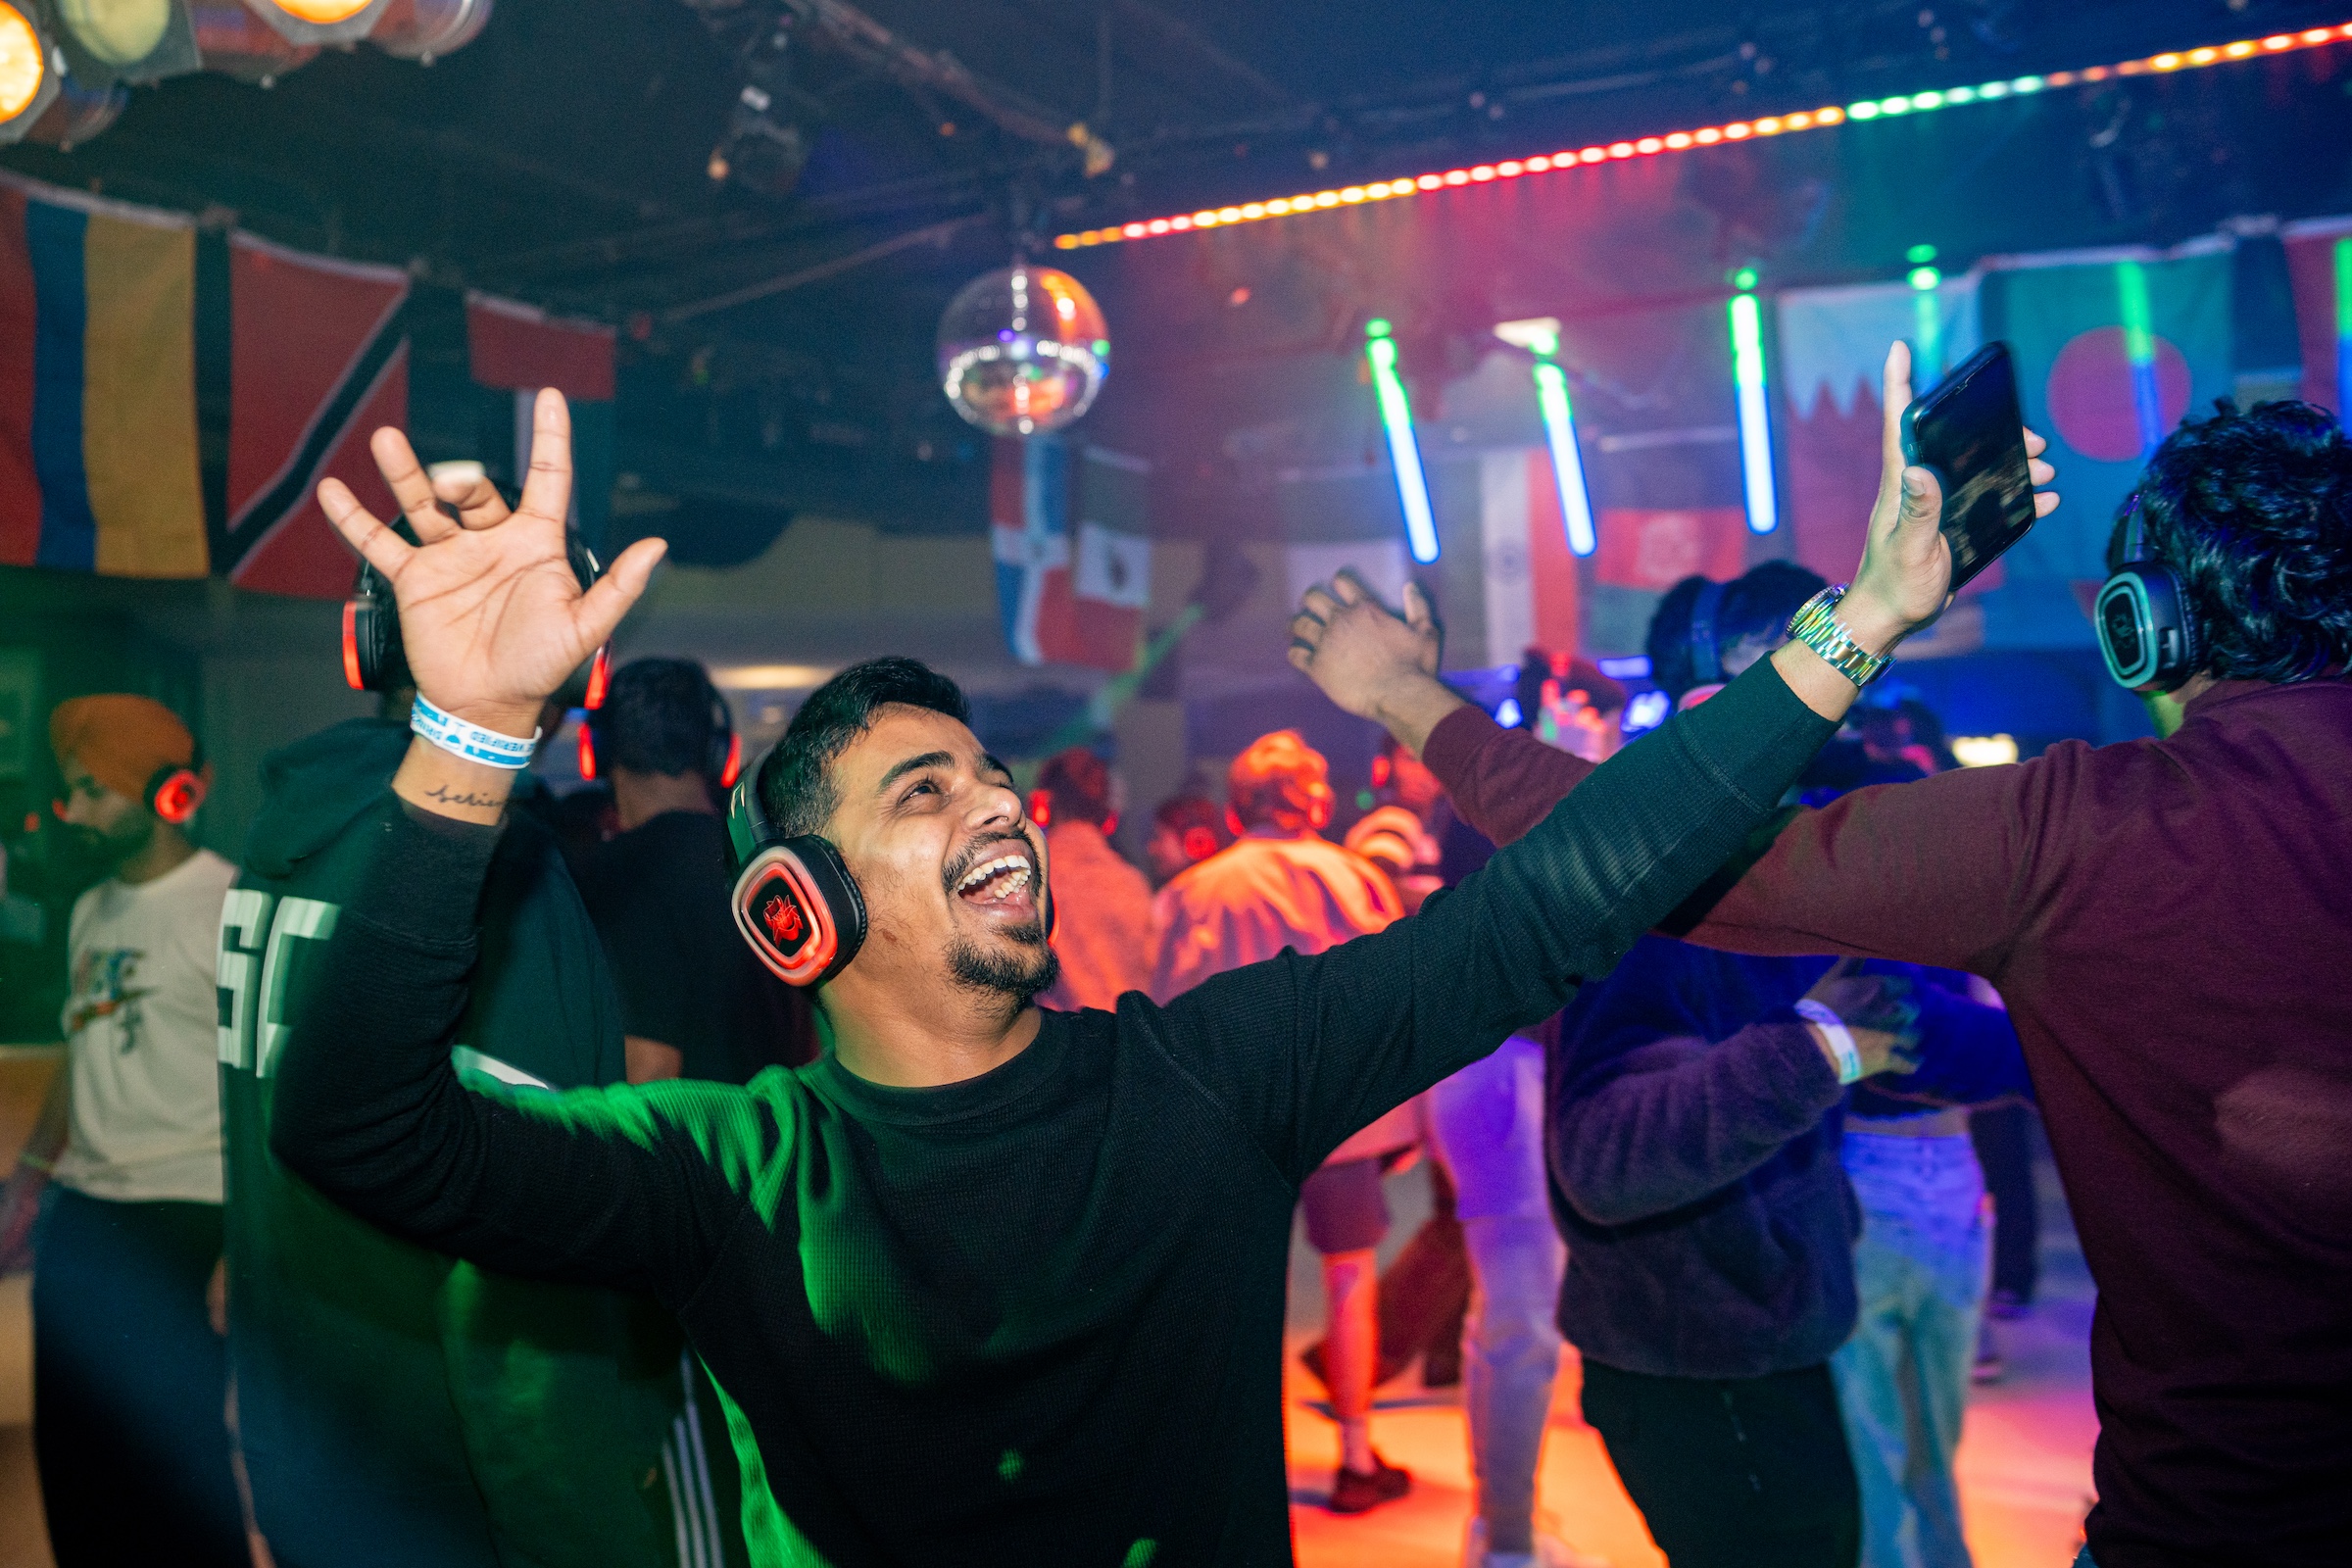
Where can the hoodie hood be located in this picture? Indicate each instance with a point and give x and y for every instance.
(314, 789)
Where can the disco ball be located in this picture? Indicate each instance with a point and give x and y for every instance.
(1023, 350)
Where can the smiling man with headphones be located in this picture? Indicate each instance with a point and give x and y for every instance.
(984, 1282)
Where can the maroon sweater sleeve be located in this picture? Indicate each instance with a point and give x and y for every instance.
(1502, 781)
(1946, 871)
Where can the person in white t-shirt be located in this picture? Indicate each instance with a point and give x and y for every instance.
(129, 1373)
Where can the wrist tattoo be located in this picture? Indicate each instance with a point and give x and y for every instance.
(463, 798)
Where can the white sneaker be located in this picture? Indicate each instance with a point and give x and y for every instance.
(1550, 1553)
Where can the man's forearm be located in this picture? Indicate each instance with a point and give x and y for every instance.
(433, 779)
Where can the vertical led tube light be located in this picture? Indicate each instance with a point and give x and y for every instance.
(1755, 415)
(2343, 332)
(2139, 350)
(1927, 327)
(1567, 462)
(1397, 417)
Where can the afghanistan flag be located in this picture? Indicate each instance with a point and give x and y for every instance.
(2113, 350)
(98, 450)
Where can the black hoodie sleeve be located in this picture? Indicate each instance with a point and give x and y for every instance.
(627, 1187)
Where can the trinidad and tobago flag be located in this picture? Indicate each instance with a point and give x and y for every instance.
(320, 360)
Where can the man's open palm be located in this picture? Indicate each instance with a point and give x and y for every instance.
(491, 616)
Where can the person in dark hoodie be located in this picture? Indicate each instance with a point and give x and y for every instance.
(395, 1405)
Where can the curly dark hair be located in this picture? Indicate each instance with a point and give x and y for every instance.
(796, 779)
(1756, 604)
(2254, 513)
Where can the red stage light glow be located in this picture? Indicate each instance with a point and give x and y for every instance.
(1708, 136)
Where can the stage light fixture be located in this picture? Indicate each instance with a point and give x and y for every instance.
(1927, 102)
(1405, 453)
(1541, 337)
(323, 21)
(1755, 413)
(110, 41)
(423, 31)
(235, 42)
(29, 71)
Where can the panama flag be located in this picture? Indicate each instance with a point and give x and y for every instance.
(1069, 597)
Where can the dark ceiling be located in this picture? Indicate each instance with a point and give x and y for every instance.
(563, 157)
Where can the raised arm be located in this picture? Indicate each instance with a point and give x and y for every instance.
(614, 1186)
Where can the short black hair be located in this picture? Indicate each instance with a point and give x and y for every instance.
(2254, 513)
(1756, 604)
(1078, 784)
(796, 779)
(659, 716)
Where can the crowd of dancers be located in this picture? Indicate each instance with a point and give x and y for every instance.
(449, 1181)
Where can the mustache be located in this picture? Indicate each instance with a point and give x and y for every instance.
(980, 850)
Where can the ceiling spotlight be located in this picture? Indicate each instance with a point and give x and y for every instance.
(106, 41)
(323, 21)
(27, 74)
(235, 42)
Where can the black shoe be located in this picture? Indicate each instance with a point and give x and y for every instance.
(1442, 1369)
(1361, 1491)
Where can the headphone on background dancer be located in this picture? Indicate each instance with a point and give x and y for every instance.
(2147, 631)
(174, 792)
(795, 900)
(723, 758)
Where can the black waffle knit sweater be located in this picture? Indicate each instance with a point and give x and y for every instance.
(1031, 1319)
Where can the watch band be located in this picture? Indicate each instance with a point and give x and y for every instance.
(1817, 627)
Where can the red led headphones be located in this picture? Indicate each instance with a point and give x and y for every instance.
(723, 763)
(177, 790)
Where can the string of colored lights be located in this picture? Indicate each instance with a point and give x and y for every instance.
(1755, 416)
(1705, 136)
(1397, 417)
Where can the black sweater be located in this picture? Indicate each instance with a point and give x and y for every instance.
(1031, 1317)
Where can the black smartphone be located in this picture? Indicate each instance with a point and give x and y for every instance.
(1969, 430)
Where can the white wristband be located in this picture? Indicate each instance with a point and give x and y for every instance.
(1832, 1029)
(471, 741)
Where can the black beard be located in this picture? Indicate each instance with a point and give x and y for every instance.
(1017, 978)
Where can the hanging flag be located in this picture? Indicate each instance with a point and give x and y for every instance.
(98, 451)
(1654, 550)
(2113, 349)
(1064, 600)
(1832, 357)
(320, 361)
(2319, 262)
(1529, 576)
(521, 348)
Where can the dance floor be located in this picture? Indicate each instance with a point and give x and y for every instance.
(2025, 1453)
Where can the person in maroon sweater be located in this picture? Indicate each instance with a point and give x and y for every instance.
(2169, 921)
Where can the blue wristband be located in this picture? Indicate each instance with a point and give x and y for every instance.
(471, 741)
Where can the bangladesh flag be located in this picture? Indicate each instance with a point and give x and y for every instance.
(2113, 349)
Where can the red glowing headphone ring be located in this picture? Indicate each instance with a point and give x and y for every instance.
(799, 908)
(177, 790)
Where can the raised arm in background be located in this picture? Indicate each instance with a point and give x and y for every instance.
(631, 1188)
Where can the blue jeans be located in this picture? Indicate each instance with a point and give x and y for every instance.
(1488, 1122)
(1921, 1270)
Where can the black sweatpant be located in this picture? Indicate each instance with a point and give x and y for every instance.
(1732, 1472)
(2004, 1140)
(128, 1386)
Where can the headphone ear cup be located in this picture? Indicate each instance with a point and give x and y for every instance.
(800, 909)
(175, 794)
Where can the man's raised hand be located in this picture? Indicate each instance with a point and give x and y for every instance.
(1371, 661)
(491, 616)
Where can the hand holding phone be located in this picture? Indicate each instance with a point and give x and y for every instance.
(1969, 431)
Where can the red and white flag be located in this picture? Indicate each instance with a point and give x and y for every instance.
(1654, 549)
(1529, 578)
(1070, 597)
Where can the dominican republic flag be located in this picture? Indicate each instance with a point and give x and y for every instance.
(2319, 260)
(1070, 597)
(1832, 356)
(321, 360)
(98, 447)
